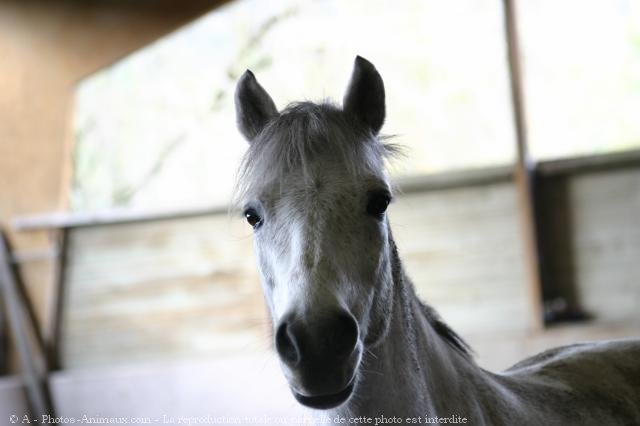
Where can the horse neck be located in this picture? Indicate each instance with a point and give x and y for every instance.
(413, 371)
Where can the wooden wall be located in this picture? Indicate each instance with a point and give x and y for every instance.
(189, 287)
(161, 289)
(462, 248)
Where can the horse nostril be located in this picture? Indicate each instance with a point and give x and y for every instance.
(344, 334)
(286, 344)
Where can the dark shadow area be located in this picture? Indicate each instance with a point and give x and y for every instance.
(554, 215)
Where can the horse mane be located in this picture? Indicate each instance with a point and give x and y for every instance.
(302, 132)
(433, 318)
(444, 331)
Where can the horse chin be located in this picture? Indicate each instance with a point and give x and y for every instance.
(324, 390)
(325, 401)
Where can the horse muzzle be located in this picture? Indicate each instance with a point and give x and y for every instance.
(320, 358)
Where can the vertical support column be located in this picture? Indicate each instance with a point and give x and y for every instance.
(4, 339)
(55, 301)
(524, 169)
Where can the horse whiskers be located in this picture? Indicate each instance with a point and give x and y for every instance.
(366, 370)
(370, 353)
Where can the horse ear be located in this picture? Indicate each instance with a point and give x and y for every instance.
(365, 95)
(254, 106)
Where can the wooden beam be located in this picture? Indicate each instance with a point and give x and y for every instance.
(63, 220)
(35, 379)
(4, 340)
(524, 168)
(455, 179)
(66, 220)
(589, 163)
(409, 184)
(55, 303)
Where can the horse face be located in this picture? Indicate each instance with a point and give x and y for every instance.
(322, 251)
(321, 234)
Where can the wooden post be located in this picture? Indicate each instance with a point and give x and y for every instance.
(35, 380)
(55, 301)
(524, 169)
(4, 340)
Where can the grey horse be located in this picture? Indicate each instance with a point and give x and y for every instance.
(351, 334)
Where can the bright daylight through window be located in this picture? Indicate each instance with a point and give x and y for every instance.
(158, 130)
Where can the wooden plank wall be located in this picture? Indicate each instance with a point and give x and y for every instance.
(189, 287)
(161, 289)
(462, 249)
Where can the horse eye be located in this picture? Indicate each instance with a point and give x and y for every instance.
(253, 218)
(378, 203)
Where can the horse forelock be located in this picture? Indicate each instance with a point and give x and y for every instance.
(301, 134)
